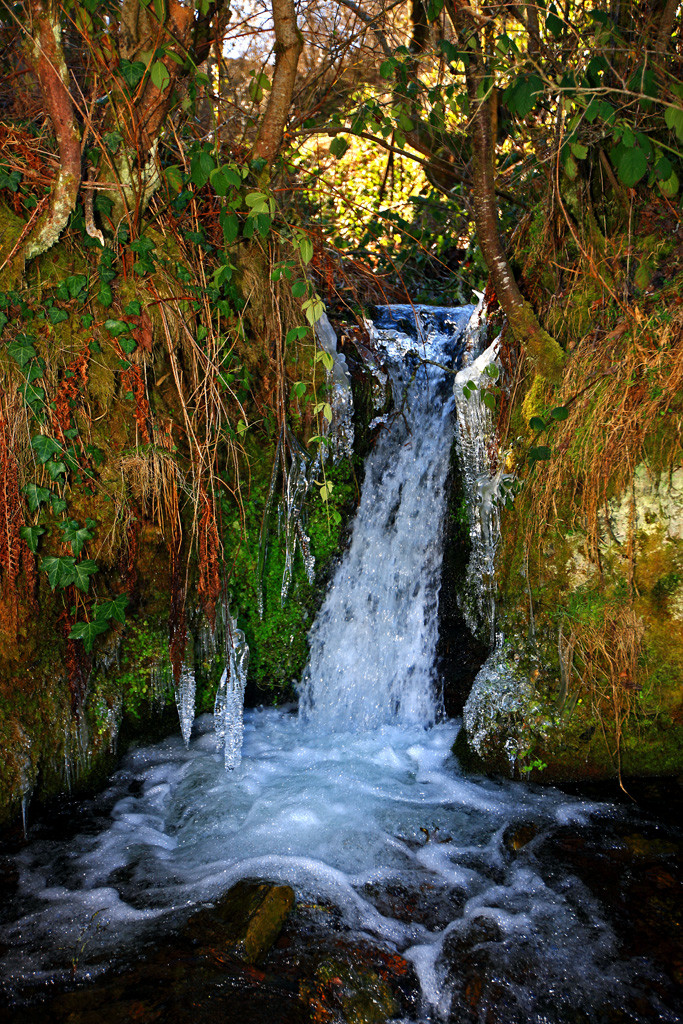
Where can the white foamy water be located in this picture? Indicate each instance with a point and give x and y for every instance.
(359, 801)
(338, 816)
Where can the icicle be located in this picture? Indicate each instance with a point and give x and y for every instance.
(184, 698)
(297, 483)
(340, 431)
(263, 535)
(229, 706)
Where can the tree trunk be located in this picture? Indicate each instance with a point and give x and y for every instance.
(544, 351)
(288, 46)
(46, 56)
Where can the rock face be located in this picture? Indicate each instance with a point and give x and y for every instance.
(587, 679)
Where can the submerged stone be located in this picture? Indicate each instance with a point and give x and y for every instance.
(246, 921)
(357, 993)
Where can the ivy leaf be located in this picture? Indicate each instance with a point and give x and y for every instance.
(58, 504)
(75, 535)
(115, 609)
(55, 469)
(31, 535)
(160, 75)
(82, 573)
(134, 308)
(116, 327)
(105, 295)
(59, 569)
(88, 632)
(131, 72)
(21, 349)
(45, 447)
(35, 496)
(128, 345)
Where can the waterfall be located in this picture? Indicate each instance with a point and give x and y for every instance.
(374, 640)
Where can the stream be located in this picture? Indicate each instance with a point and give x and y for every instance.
(472, 899)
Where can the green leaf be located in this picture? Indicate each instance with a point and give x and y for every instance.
(257, 202)
(553, 23)
(299, 389)
(58, 504)
(160, 76)
(88, 632)
(405, 122)
(115, 609)
(263, 223)
(35, 496)
(338, 146)
(327, 412)
(82, 573)
(434, 9)
(561, 412)
(134, 308)
(631, 164)
(45, 447)
(386, 70)
(31, 535)
(230, 225)
(128, 344)
(131, 71)
(200, 168)
(539, 454)
(57, 316)
(536, 423)
(116, 327)
(258, 84)
(674, 120)
(579, 151)
(521, 96)
(296, 333)
(105, 295)
(21, 349)
(59, 569)
(313, 309)
(75, 535)
(55, 470)
(299, 289)
(306, 249)
(669, 188)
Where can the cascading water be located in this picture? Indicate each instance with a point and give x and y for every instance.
(383, 600)
(359, 802)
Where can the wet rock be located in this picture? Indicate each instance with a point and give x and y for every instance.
(356, 995)
(516, 837)
(246, 921)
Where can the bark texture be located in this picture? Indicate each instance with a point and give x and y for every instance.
(288, 46)
(545, 353)
(46, 55)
